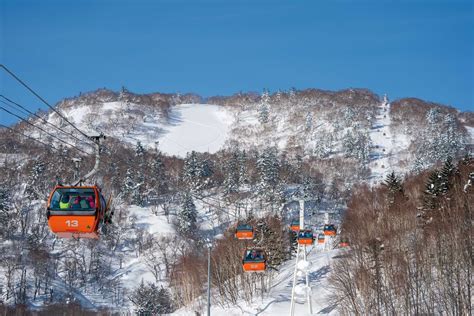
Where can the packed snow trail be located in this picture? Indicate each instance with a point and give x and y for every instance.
(277, 300)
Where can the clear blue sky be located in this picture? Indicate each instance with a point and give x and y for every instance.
(413, 48)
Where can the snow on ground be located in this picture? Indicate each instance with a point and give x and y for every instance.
(278, 300)
(471, 132)
(154, 224)
(199, 127)
(386, 146)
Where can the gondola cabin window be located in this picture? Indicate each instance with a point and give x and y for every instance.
(73, 199)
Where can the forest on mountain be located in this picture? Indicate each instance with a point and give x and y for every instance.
(411, 245)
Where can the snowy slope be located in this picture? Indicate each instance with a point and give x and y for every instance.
(187, 127)
(278, 300)
(198, 127)
(387, 147)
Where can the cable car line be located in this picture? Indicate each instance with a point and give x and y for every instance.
(39, 117)
(26, 121)
(43, 100)
(32, 138)
(14, 108)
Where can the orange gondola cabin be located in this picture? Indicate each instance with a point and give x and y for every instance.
(330, 230)
(295, 225)
(344, 242)
(244, 231)
(321, 238)
(305, 237)
(76, 211)
(255, 260)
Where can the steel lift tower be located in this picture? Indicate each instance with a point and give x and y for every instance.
(301, 256)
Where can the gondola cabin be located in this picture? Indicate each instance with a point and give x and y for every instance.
(329, 230)
(321, 238)
(295, 225)
(244, 231)
(76, 211)
(255, 260)
(344, 243)
(305, 237)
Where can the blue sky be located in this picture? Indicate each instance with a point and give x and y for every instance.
(413, 48)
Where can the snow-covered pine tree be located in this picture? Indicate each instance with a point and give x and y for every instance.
(263, 108)
(232, 176)
(138, 194)
(158, 175)
(448, 170)
(187, 215)
(269, 171)
(197, 171)
(148, 299)
(433, 189)
(5, 214)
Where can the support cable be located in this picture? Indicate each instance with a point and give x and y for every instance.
(26, 121)
(32, 138)
(42, 100)
(39, 117)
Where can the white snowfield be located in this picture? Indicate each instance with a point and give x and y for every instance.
(198, 127)
(277, 300)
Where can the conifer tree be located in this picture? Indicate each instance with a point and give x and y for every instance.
(187, 216)
(394, 185)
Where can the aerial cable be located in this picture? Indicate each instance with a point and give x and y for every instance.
(14, 108)
(26, 121)
(213, 205)
(32, 138)
(39, 117)
(43, 100)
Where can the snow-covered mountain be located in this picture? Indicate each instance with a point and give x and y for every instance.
(324, 144)
(353, 125)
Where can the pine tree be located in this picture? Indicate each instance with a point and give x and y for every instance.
(5, 214)
(269, 171)
(433, 189)
(187, 216)
(445, 174)
(197, 171)
(394, 185)
(149, 300)
(263, 109)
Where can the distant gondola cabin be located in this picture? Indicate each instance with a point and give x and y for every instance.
(321, 238)
(295, 225)
(344, 243)
(329, 230)
(76, 211)
(244, 231)
(305, 237)
(254, 260)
